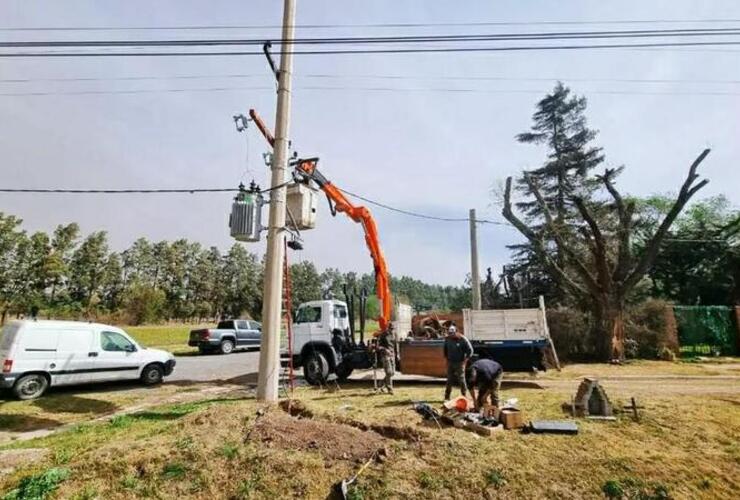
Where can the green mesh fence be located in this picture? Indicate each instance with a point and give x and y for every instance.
(706, 328)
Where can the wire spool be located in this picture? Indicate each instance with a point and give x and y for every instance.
(245, 221)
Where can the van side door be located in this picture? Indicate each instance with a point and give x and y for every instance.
(74, 361)
(117, 357)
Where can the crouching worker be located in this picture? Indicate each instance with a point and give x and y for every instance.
(484, 375)
(387, 359)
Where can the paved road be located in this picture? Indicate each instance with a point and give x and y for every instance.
(235, 367)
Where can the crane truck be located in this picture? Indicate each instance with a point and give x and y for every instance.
(323, 342)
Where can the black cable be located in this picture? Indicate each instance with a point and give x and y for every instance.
(419, 215)
(357, 88)
(371, 77)
(118, 191)
(373, 25)
(134, 191)
(567, 35)
(374, 51)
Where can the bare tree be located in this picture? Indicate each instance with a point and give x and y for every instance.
(599, 267)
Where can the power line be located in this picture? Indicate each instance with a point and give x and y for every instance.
(229, 190)
(417, 214)
(372, 25)
(556, 35)
(530, 48)
(404, 39)
(132, 191)
(117, 191)
(373, 77)
(459, 91)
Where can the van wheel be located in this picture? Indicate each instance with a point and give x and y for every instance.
(152, 375)
(316, 368)
(30, 386)
(227, 347)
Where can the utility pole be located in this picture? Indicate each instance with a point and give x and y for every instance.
(474, 271)
(269, 368)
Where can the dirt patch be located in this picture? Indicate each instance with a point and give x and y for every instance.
(333, 441)
(10, 460)
(297, 408)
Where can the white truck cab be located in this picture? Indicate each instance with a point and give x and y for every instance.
(320, 334)
(35, 355)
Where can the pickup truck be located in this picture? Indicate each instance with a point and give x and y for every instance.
(228, 335)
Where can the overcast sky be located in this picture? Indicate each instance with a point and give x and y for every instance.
(430, 151)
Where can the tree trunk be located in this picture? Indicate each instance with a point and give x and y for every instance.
(609, 329)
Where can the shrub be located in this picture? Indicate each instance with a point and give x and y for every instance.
(613, 489)
(39, 486)
(570, 330)
(652, 327)
(144, 304)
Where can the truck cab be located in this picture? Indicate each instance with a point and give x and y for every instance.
(322, 341)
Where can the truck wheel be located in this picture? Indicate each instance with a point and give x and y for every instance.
(152, 375)
(30, 386)
(343, 371)
(316, 368)
(227, 346)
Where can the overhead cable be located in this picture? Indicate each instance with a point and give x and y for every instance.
(417, 50)
(197, 27)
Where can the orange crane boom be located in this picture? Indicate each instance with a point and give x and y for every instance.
(307, 169)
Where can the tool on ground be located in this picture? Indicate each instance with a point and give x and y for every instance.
(428, 413)
(342, 488)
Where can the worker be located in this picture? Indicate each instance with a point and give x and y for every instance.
(484, 375)
(457, 351)
(387, 358)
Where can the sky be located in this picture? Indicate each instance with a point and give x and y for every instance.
(409, 142)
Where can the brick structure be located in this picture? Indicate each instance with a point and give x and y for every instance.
(591, 399)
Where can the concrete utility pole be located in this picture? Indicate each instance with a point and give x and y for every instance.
(269, 374)
(474, 271)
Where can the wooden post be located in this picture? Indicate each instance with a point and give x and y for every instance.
(547, 332)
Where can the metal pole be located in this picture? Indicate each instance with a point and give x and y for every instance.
(269, 373)
(474, 270)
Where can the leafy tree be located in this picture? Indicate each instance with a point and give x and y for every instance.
(13, 242)
(305, 283)
(62, 243)
(87, 270)
(702, 248)
(332, 281)
(240, 279)
(144, 304)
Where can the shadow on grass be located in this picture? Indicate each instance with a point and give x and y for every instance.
(62, 403)
(177, 411)
(25, 423)
(248, 379)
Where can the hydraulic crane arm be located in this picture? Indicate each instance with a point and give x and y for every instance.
(307, 169)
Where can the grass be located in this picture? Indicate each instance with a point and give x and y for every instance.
(173, 338)
(687, 445)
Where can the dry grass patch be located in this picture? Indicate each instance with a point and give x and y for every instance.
(686, 446)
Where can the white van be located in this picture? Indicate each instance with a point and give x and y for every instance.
(38, 354)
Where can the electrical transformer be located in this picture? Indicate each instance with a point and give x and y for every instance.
(245, 221)
(301, 207)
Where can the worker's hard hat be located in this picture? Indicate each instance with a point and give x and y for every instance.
(452, 329)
